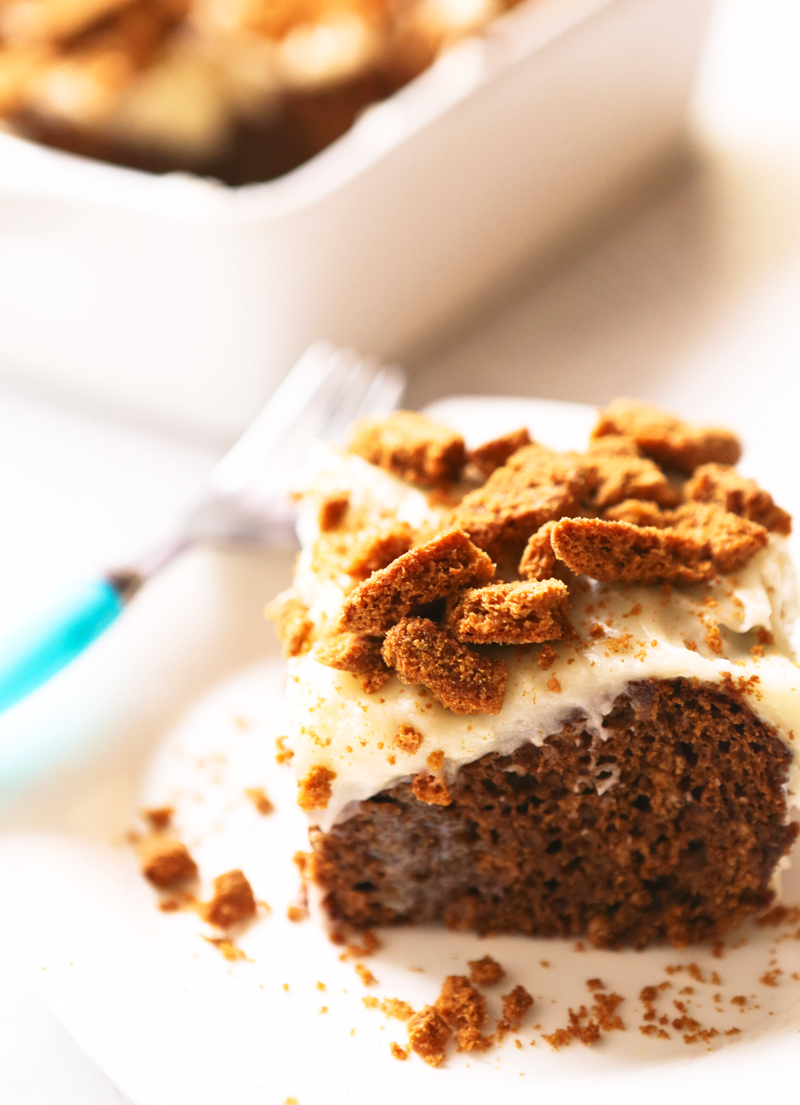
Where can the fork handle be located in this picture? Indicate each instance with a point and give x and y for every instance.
(39, 648)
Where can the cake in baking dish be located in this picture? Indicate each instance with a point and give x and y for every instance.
(541, 692)
(242, 90)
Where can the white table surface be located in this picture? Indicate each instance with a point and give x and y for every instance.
(692, 301)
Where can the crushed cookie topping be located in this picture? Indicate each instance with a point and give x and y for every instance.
(463, 680)
(426, 573)
(427, 605)
(623, 473)
(315, 789)
(535, 486)
(377, 549)
(665, 438)
(232, 902)
(295, 629)
(410, 446)
(408, 739)
(332, 510)
(166, 862)
(431, 789)
(495, 453)
(352, 653)
(721, 484)
(510, 613)
(693, 548)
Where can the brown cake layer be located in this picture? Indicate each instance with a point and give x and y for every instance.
(667, 829)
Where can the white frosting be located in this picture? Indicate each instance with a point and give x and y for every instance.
(647, 633)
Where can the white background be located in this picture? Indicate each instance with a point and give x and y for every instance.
(692, 300)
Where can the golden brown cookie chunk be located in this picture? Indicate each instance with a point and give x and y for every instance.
(464, 1009)
(315, 789)
(462, 679)
(623, 473)
(667, 439)
(485, 972)
(355, 654)
(539, 561)
(428, 1033)
(408, 739)
(232, 903)
(431, 789)
(510, 613)
(721, 484)
(411, 446)
(332, 510)
(165, 862)
(378, 548)
(729, 540)
(617, 552)
(534, 487)
(422, 575)
(515, 1006)
(692, 550)
(292, 624)
(494, 454)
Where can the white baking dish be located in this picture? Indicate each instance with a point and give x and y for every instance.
(185, 300)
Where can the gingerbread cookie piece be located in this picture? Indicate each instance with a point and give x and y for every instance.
(510, 613)
(667, 439)
(535, 486)
(289, 614)
(721, 484)
(428, 572)
(463, 680)
(410, 446)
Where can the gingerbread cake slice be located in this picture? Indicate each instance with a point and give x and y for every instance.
(553, 693)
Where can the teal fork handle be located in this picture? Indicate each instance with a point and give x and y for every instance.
(36, 650)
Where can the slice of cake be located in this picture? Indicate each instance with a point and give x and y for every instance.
(542, 692)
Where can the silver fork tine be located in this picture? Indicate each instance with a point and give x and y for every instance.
(298, 404)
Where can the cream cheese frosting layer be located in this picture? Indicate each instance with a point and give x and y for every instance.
(713, 632)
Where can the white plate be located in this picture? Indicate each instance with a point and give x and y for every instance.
(181, 703)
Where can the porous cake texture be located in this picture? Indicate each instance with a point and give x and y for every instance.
(541, 692)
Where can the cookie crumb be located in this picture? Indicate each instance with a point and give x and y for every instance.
(289, 615)
(408, 739)
(258, 796)
(515, 1006)
(315, 789)
(431, 789)
(159, 818)
(232, 902)
(428, 1033)
(485, 972)
(166, 862)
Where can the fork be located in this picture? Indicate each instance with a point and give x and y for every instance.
(247, 503)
